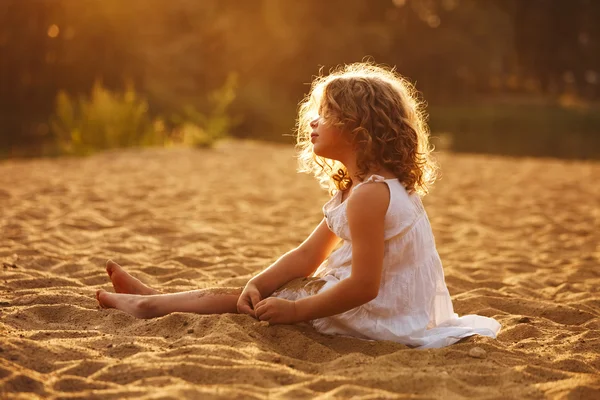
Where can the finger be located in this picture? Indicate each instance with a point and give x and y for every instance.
(255, 298)
(245, 309)
(264, 309)
(266, 316)
(243, 301)
(260, 310)
(244, 306)
(260, 303)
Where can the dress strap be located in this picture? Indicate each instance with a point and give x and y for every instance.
(372, 178)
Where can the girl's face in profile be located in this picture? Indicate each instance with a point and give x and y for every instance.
(328, 140)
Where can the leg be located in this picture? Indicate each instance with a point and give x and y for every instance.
(203, 301)
(125, 283)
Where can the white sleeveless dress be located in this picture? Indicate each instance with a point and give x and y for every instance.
(413, 306)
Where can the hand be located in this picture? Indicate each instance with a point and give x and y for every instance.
(276, 311)
(248, 300)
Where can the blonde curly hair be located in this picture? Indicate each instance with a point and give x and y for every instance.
(386, 123)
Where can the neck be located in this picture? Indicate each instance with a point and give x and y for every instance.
(349, 162)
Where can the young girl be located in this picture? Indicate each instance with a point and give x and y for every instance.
(362, 133)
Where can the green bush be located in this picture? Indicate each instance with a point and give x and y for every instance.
(198, 129)
(269, 112)
(106, 120)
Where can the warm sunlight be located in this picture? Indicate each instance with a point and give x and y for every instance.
(277, 199)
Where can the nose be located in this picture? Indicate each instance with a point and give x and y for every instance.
(314, 123)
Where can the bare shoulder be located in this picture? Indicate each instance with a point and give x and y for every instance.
(370, 200)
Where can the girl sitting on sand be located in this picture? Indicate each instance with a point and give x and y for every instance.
(362, 133)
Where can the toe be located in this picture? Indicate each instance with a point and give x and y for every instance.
(111, 267)
(98, 294)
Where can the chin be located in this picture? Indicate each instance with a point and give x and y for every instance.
(319, 152)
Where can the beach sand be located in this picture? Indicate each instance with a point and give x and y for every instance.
(519, 239)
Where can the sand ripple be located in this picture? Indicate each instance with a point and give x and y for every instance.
(520, 241)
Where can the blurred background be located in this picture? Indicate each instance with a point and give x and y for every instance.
(516, 77)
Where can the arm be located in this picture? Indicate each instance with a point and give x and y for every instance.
(299, 262)
(366, 211)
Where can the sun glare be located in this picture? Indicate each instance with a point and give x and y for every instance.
(53, 31)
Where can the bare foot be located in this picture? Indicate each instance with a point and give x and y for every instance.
(133, 304)
(125, 283)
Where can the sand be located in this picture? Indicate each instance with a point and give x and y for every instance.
(519, 239)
